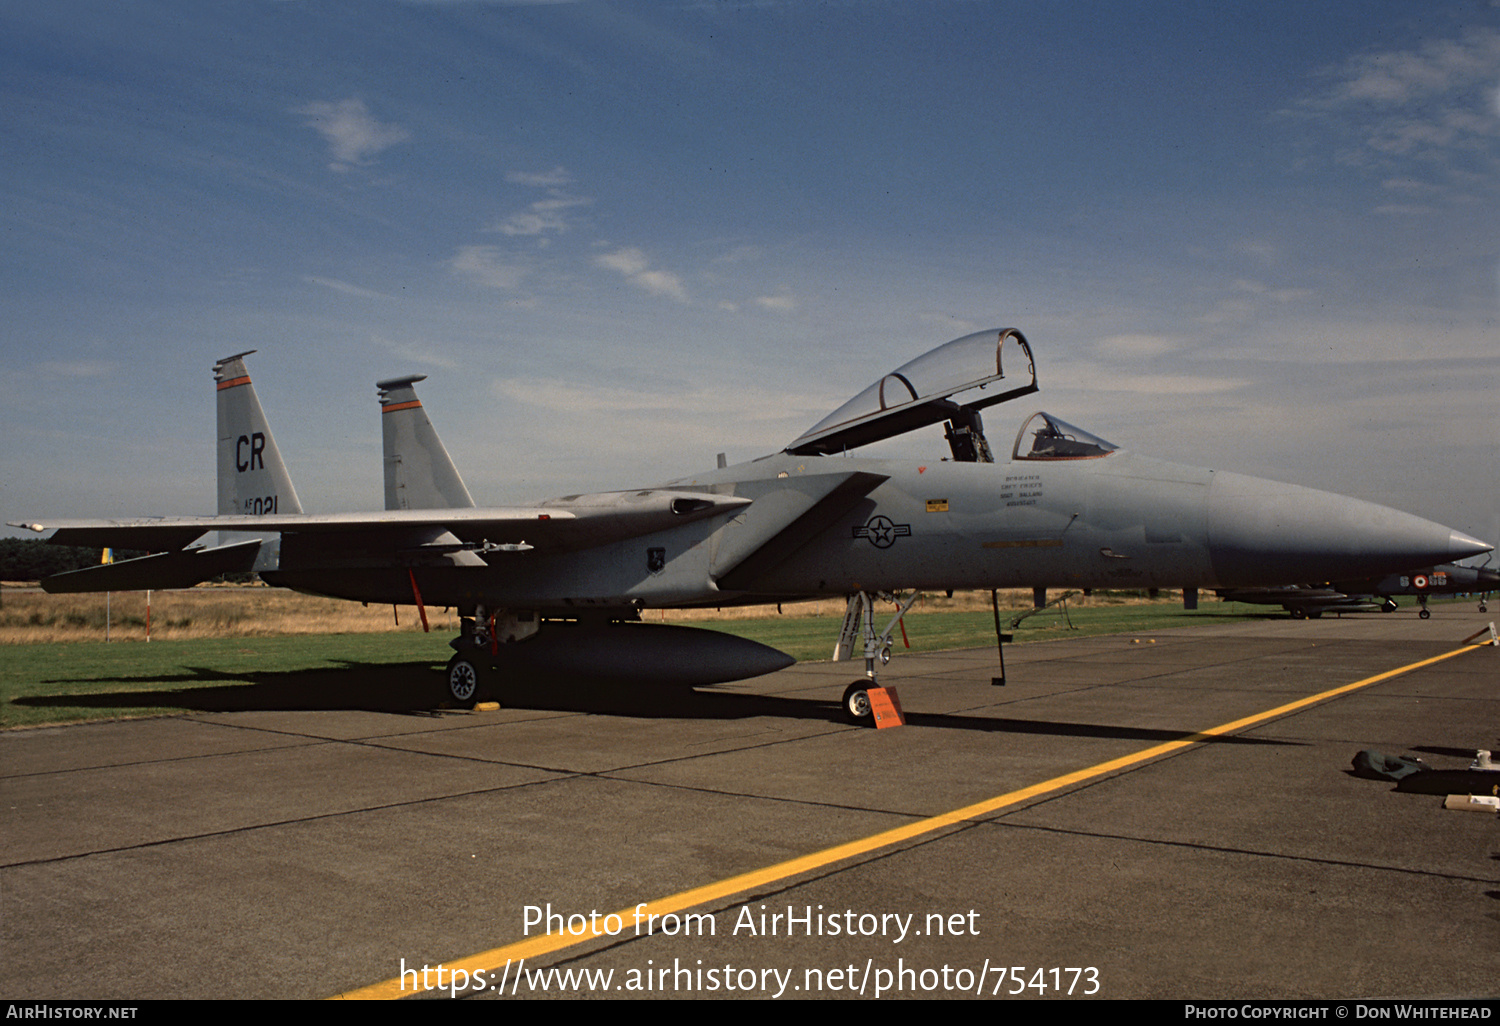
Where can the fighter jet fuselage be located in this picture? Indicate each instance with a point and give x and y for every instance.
(1115, 521)
(1067, 509)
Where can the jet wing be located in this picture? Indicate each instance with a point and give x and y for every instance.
(570, 522)
(168, 533)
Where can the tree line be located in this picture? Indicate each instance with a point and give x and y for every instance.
(23, 559)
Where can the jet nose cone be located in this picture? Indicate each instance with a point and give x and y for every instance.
(1267, 533)
(1461, 546)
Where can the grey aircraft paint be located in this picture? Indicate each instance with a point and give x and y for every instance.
(1067, 509)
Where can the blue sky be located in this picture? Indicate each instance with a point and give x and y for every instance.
(621, 237)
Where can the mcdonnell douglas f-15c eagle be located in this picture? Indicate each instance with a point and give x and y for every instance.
(557, 588)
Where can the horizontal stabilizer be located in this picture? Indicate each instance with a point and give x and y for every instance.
(786, 518)
(151, 534)
(164, 570)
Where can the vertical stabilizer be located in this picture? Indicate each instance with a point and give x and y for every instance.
(252, 478)
(419, 474)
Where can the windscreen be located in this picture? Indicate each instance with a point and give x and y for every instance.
(1045, 437)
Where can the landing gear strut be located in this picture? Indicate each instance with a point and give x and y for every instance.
(469, 673)
(859, 621)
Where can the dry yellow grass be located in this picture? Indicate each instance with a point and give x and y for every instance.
(30, 616)
(33, 616)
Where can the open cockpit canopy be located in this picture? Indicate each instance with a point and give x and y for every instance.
(920, 393)
(1045, 437)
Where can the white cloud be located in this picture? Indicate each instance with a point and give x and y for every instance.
(777, 304)
(556, 178)
(1260, 288)
(629, 261)
(417, 351)
(634, 265)
(1259, 250)
(353, 134)
(543, 216)
(1136, 346)
(1294, 341)
(662, 283)
(1408, 185)
(1437, 67)
(613, 416)
(1430, 111)
(483, 265)
(1089, 378)
(343, 286)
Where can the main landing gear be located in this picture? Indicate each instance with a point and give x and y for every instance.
(464, 680)
(859, 623)
(473, 674)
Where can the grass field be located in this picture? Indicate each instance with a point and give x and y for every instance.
(258, 648)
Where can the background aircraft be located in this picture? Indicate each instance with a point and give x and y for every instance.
(558, 587)
(1448, 579)
(1309, 601)
(1374, 594)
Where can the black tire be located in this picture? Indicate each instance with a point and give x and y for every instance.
(1424, 614)
(462, 682)
(856, 702)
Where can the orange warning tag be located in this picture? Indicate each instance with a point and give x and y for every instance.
(886, 706)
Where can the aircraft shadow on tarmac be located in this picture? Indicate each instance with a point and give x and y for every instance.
(400, 688)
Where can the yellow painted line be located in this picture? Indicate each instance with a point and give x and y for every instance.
(544, 945)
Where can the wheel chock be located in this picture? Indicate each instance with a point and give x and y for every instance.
(1489, 629)
(1472, 803)
(886, 706)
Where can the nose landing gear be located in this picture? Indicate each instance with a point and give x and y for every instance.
(859, 622)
